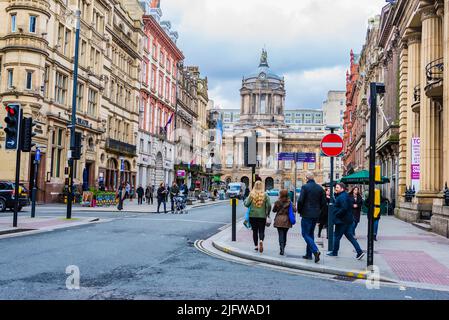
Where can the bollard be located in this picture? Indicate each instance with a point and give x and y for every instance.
(234, 219)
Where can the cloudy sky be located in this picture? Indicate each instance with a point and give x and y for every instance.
(308, 42)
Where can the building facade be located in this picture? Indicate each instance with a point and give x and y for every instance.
(262, 114)
(305, 120)
(158, 99)
(36, 66)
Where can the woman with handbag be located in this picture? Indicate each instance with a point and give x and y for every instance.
(259, 215)
(285, 218)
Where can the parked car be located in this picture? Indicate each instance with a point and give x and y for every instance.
(7, 190)
(236, 190)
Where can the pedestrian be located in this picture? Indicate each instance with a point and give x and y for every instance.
(127, 190)
(312, 201)
(174, 191)
(132, 194)
(282, 220)
(121, 196)
(356, 207)
(260, 208)
(162, 197)
(140, 192)
(149, 194)
(324, 217)
(344, 220)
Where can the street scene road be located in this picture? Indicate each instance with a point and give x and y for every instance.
(151, 256)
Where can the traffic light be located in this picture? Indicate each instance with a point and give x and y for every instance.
(12, 126)
(76, 152)
(27, 134)
(250, 151)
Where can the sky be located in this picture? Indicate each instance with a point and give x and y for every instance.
(308, 42)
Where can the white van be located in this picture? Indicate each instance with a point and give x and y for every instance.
(236, 190)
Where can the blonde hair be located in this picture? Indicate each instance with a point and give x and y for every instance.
(258, 194)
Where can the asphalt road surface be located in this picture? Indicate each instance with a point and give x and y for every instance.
(150, 256)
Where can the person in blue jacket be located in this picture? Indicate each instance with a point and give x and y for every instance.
(344, 219)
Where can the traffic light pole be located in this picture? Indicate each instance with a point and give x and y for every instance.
(375, 89)
(34, 190)
(16, 184)
(73, 122)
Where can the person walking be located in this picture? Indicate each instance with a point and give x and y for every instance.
(356, 207)
(323, 221)
(174, 191)
(282, 220)
(121, 196)
(311, 202)
(344, 220)
(140, 192)
(127, 190)
(260, 208)
(149, 194)
(162, 197)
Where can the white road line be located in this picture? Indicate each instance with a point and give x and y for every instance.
(182, 220)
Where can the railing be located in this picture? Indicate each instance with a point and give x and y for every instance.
(434, 71)
(121, 147)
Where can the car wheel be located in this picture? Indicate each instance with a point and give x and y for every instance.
(2, 205)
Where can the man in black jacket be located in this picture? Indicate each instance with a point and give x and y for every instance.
(344, 220)
(311, 203)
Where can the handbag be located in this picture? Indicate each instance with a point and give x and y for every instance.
(246, 221)
(291, 215)
(268, 223)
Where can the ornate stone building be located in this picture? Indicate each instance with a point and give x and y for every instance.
(262, 113)
(159, 90)
(36, 70)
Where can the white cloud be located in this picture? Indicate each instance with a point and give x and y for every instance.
(308, 41)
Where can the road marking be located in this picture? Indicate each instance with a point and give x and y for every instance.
(182, 220)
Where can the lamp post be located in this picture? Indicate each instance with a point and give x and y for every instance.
(73, 122)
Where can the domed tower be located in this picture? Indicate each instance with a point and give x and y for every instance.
(263, 97)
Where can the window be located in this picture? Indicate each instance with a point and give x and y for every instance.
(56, 152)
(33, 20)
(141, 145)
(60, 35)
(167, 89)
(162, 57)
(29, 80)
(92, 103)
(79, 97)
(161, 84)
(46, 81)
(10, 78)
(83, 52)
(144, 73)
(153, 77)
(67, 36)
(154, 50)
(60, 88)
(13, 23)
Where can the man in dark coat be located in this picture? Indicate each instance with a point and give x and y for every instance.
(140, 193)
(344, 219)
(174, 191)
(312, 201)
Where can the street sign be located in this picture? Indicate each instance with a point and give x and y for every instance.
(332, 145)
(37, 157)
(286, 156)
(306, 157)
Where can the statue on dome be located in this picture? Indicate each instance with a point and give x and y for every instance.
(264, 58)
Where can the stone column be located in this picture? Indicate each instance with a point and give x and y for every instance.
(264, 154)
(413, 80)
(445, 113)
(241, 156)
(430, 182)
(276, 159)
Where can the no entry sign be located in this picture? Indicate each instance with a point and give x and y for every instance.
(332, 145)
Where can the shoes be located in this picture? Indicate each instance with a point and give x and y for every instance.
(261, 246)
(331, 254)
(360, 256)
(256, 249)
(307, 257)
(375, 238)
(317, 256)
(282, 251)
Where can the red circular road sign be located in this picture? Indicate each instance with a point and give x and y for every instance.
(332, 145)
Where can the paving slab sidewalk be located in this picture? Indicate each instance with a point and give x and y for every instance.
(404, 254)
(27, 226)
(133, 207)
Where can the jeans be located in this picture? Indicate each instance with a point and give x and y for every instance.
(354, 226)
(308, 231)
(376, 226)
(282, 237)
(345, 230)
(258, 226)
(159, 205)
(139, 199)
